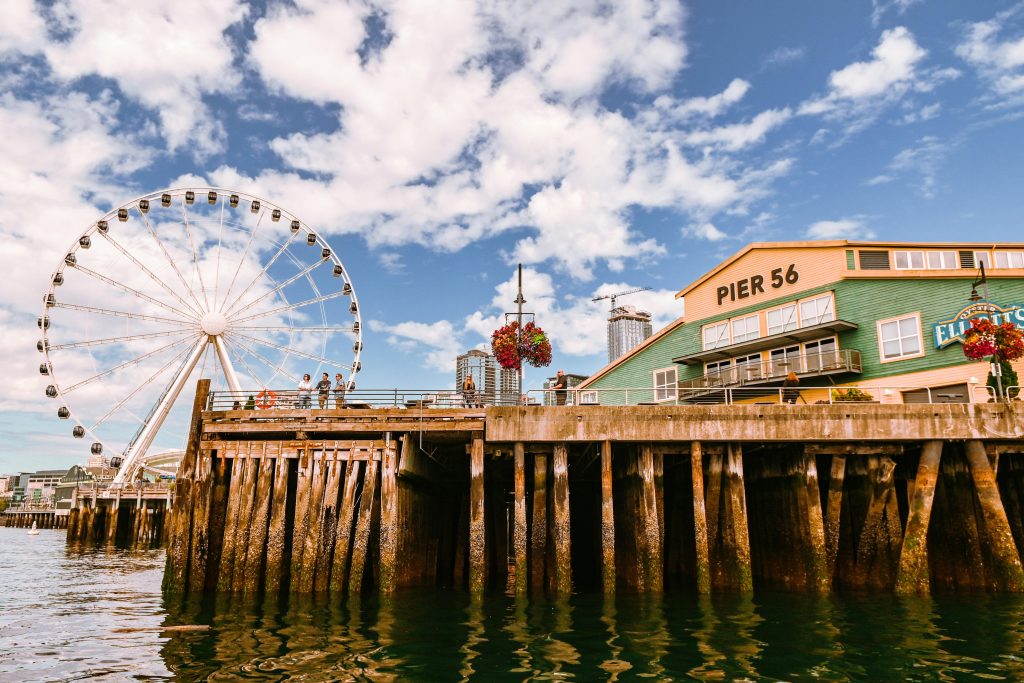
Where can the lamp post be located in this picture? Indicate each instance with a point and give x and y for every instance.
(996, 364)
(520, 300)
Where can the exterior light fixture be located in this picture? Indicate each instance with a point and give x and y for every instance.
(980, 280)
(972, 380)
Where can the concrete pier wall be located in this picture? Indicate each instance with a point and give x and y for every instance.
(632, 499)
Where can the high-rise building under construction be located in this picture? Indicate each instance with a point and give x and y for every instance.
(494, 384)
(627, 328)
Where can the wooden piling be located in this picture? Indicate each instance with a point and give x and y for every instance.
(226, 571)
(113, 509)
(519, 523)
(328, 525)
(607, 520)
(361, 538)
(912, 576)
(256, 547)
(817, 554)
(246, 511)
(477, 531)
(648, 531)
(388, 518)
(562, 541)
(1004, 572)
(343, 534)
(539, 530)
(833, 510)
(276, 529)
(700, 521)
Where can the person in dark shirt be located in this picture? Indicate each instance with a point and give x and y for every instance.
(561, 388)
(791, 388)
(339, 391)
(323, 388)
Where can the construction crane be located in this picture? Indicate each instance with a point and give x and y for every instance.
(618, 294)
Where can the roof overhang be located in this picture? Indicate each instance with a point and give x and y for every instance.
(800, 334)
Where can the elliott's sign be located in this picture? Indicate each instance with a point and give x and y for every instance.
(952, 331)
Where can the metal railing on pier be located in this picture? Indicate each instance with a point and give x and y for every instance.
(293, 399)
(758, 395)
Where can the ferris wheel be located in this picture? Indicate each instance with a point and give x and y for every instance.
(183, 282)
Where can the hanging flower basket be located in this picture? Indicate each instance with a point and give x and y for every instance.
(986, 339)
(535, 348)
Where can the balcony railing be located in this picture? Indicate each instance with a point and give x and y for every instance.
(774, 371)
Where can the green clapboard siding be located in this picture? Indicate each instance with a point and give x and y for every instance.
(849, 260)
(863, 302)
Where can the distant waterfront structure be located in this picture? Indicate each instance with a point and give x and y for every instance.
(36, 486)
(627, 329)
(494, 384)
(573, 381)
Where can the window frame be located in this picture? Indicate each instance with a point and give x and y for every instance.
(941, 253)
(909, 255)
(1007, 253)
(916, 316)
(745, 319)
(983, 256)
(796, 318)
(816, 297)
(671, 388)
(704, 335)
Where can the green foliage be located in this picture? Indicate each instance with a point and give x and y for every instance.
(1009, 379)
(852, 394)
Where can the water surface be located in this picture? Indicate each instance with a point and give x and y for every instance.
(97, 613)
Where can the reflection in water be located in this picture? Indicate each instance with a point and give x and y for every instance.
(97, 612)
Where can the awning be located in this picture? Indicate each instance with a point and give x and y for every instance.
(801, 334)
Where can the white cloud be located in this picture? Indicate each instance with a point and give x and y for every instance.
(22, 29)
(843, 229)
(999, 59)
(921, 161)
(880, 7)
(706, 106)
(166, 54)
(437, 342)
(736, 136)
(781, 56)
(705, 231)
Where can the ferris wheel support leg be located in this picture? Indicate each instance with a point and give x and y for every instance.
(225, 363)
(145, 440)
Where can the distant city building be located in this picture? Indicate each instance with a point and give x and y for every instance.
(627, 329)
(64, 493)
(574, 380)
(5, 484)
(36, 486)
(494, 384)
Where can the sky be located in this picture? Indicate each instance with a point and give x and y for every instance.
(602, 145)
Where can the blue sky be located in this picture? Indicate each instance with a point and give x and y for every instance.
(436, 145)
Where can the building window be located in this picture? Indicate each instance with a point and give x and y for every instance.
(909, 260)
(665, 384)
(900, 338)
(1010, 259)
(821, 355)
(748, 368)
(745, 328)
(782, 319)
(589, 398)
(942, 260)
(784, 361)
(817, 310)
(982, 258)
(718, 372)
(716, 335)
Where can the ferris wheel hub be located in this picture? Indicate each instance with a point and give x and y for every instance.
(214, 323)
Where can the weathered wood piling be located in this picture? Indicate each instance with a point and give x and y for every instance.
(562, 499)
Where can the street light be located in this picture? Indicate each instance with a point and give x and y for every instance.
(996, 366)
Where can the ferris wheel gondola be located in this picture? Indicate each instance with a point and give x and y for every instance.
(173, 281)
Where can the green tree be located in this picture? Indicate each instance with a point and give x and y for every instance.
(1009, 380)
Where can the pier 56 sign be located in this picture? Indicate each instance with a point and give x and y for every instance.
(951, 331)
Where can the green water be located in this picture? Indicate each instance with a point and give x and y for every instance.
(98, 614)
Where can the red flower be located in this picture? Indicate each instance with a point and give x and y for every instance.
(535, 348)
(986, 339)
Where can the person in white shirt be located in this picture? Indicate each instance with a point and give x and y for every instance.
(305, 392)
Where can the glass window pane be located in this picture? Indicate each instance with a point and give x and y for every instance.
(908, 327)
(982, 257)
(890, 330)
(891, 349)
(916, 259)
(902, 260)
(911, 345)
(1002, 259)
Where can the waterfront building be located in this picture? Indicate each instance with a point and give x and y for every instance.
(64, 492)
(493, 383)
(882, 315)
(5, 484)
(627, 329)
(36, 487)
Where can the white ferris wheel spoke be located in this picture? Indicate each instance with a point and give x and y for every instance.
(225, 364)
(138, 264)
(126, 288)
(163, 248)
(279, 287)
(323, 312)
(144, 439)
(262, 272)
(290, 328)
(123, 365)
(241, 360)
(145, 383)
(118, 340)
(195, 254)
(241, 261)
(122, 314)
(301, 354)
(270, 364)
(220, 241)
(292, 307)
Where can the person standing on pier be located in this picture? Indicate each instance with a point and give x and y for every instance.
(305, 392)
(339, 391)
(469, 391)
(561, 388)
(791, 388)
(323, 388)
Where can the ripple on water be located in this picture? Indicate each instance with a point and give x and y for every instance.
(97, 613)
